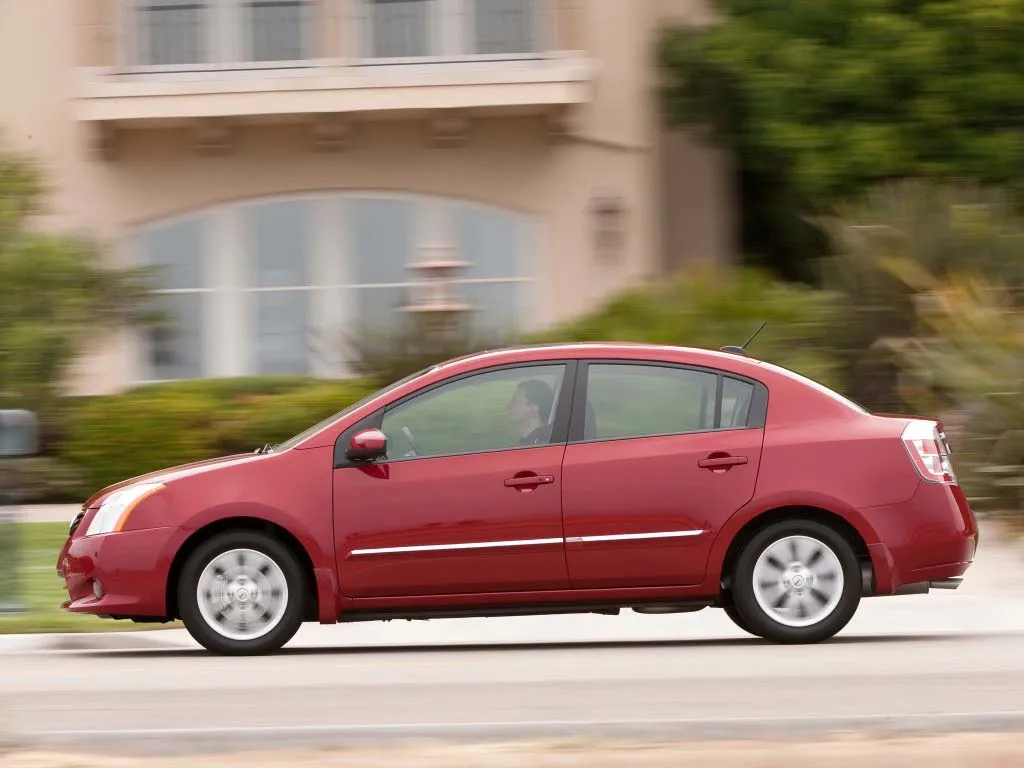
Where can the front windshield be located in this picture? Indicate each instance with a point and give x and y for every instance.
(340, 414)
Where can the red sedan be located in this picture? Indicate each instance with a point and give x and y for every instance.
(541, 480)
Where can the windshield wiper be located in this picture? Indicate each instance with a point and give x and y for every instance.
(268, 448)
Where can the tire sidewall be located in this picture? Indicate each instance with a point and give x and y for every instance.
(761, 623)
(201, 557)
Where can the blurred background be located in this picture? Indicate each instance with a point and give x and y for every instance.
(223, 220)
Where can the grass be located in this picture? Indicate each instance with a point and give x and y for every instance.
(40, 591)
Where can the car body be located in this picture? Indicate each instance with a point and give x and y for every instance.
(661, 479)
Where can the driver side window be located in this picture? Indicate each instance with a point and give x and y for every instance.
(493, 411)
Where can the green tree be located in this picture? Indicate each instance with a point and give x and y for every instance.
(57, 298)
(923, 229)
(711, 307)
(822, 99)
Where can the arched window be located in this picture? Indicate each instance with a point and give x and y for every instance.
(273, 285)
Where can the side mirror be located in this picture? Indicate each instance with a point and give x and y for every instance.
(368, 445)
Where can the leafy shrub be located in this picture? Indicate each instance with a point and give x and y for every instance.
(713, 307)
(58, 296)
(911, 226)
(153, 427)
(389, 356)
(967, 358)
(120, 436)
(44, 480)
(253, 421)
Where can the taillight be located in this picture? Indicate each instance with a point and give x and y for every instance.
(929, 451)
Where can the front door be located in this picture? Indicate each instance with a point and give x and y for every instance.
(468, 500)
(663, 456)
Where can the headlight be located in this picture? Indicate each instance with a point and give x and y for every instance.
(114, 512)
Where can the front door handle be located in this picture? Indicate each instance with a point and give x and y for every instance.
(519, 482)
(721, 462)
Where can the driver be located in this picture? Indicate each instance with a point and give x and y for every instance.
(529, 411)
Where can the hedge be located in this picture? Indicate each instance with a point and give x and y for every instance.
(109, 438)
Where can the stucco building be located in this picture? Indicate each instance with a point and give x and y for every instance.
(289, 162)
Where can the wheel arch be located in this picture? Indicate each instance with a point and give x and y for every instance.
(242, 523)
(797, 512)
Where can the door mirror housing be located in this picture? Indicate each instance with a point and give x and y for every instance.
(367, 445)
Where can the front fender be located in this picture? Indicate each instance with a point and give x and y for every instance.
(324, 574)
(222, 514)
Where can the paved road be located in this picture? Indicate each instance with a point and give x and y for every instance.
(937, 662)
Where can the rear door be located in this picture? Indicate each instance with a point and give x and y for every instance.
(659, 457)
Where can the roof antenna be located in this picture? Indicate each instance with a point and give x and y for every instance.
(743, 349)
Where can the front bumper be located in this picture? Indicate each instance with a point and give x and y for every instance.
(116, 575)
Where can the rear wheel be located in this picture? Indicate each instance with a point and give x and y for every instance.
(242, 593)
(797, 581)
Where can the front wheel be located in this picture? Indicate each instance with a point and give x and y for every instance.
(241, 593)
(797, 581)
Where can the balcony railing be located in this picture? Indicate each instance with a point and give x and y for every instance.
(190, 35)
(163, 61)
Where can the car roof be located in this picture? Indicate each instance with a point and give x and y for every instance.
(623, 349)
(731, 362)
(620, 350)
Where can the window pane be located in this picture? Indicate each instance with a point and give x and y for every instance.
(276, 29)
(174, 251)
(492, 411)
(383, 240)
(639, 400)
(491, 240)
(505, 26)
(176, 351)
(736, 398)
(282, 340)
(279, 243)
(497, 308)
(379, 313)
(172, 31)
(400, 28)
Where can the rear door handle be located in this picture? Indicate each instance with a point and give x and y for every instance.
(518, 482)
(719, 462)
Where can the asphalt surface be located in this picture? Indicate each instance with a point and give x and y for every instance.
(939, 662)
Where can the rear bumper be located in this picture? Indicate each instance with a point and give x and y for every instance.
(116, 575)
(931, 538)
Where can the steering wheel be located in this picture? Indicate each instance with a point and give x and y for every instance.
(413, 451)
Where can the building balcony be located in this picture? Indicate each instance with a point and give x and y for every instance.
(211, 62)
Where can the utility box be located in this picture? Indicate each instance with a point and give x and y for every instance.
(19, 434)
(19, 438)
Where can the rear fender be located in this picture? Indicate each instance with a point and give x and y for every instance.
(764, 507)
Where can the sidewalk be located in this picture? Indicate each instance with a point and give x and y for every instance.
(46, 513)
(841, 751)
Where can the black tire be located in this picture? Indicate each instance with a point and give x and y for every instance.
(846, 598)
(289, 615)
(733, 614)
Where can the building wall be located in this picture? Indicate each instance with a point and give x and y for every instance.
(675, 202)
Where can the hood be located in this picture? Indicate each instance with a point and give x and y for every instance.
(176, 473)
